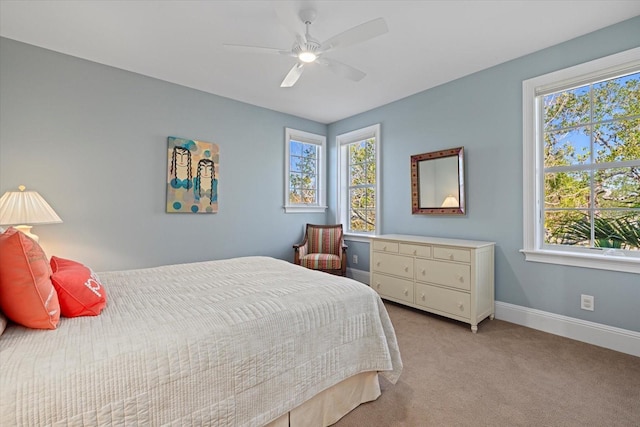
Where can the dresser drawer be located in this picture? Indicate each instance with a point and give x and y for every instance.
(452, 254)
(385, 246)
(444, 273)
(415, 250)
(446, 300)
(393, 287)
(397, 265)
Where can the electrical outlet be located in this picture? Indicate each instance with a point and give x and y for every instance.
(355, 259)
(586, 302)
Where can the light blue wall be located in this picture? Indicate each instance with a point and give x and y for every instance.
(92, 140)
(483, 113)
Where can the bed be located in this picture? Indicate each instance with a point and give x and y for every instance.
(249, 341)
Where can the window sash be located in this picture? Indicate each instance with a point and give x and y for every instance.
(591, 165)
(367, 185)
(311, 175)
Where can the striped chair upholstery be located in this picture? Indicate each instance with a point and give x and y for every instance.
(322, 249)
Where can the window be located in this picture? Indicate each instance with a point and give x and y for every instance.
(305, 172)
(581, 164)
(359, 181)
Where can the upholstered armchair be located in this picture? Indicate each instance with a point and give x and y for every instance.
(322, 249)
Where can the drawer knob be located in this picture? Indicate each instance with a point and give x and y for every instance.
(378, 263)
(451, 256)
(424, 271)
(460, 278)
(460, 306)
(406, 268)
(406, 292)
(415, 252)
(384, 248)
(422, 296)
(378, 285)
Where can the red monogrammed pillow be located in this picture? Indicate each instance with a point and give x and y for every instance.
(79, 291)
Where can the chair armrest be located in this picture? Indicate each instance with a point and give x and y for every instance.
(301, 244)
(343, 257)
(300, 250)
(342, 248)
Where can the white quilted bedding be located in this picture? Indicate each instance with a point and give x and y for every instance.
(228, 343)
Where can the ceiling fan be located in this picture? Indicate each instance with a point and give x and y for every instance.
(309, 50)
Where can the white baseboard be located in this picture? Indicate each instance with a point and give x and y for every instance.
(617, 339)
(622, 340)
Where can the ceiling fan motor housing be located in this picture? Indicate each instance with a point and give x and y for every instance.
(311, 45)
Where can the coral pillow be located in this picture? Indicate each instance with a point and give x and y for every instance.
(27, 295)
(79, 290)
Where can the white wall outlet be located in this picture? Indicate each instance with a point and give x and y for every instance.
(355, 259)
(586, 302)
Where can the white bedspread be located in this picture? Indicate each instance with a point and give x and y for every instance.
(232, 342)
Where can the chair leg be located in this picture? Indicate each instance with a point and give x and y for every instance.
(344, 261)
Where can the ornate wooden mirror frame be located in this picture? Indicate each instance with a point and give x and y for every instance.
(437, 182)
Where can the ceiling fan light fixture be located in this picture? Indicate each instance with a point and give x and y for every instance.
(307, 56)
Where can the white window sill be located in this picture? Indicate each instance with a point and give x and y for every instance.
(599, 261)
(305, 209)
(352, 237)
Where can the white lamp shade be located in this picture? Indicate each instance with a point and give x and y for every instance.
(450, 202)
(26, 207)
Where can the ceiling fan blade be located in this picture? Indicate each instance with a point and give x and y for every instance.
(258, 49)
(342, 69)
(293, 75)
(357, 34)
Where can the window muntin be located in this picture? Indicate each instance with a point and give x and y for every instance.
(304, 175)
(359, 191)
(581, 165)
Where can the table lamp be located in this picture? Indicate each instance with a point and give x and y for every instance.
(22, 209)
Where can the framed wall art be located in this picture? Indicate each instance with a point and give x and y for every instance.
(192, 176)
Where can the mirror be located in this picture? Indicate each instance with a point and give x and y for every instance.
(437, 182)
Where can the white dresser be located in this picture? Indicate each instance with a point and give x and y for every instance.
(449, 277)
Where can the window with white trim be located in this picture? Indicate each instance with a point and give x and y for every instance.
(581, 147)
(304, 187)
(359, 181)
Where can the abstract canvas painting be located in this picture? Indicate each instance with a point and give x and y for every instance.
(192, 176)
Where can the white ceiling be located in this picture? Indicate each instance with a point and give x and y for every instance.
(428, 43)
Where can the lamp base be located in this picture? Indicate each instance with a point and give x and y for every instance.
(26, 229)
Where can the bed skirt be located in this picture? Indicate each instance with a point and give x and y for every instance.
(328, 406)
